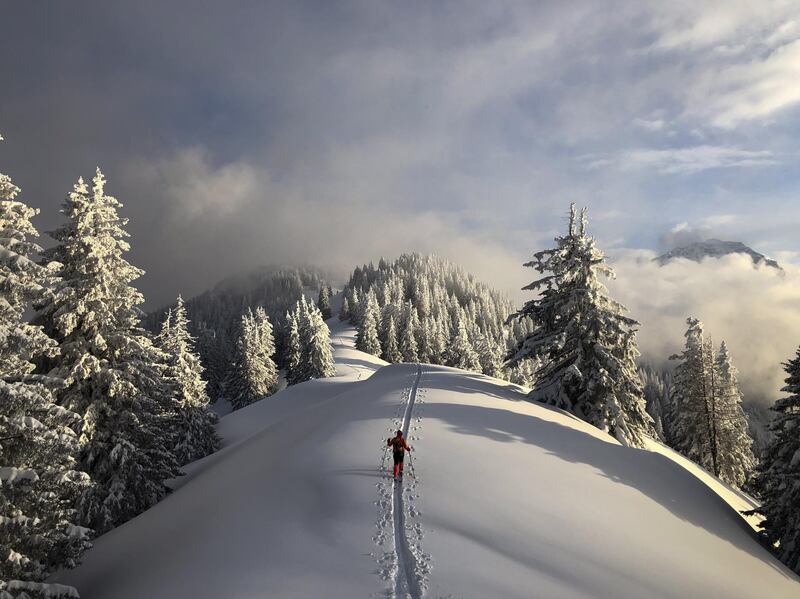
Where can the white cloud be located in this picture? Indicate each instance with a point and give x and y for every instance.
(756, 311)
(650, 125)
(742, 59)
(691, 159)
(191, 187)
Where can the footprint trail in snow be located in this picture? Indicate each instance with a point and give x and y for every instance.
(405, 565)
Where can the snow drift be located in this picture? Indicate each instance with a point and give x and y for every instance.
(507, 499)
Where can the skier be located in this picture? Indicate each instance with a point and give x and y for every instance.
(399, 448)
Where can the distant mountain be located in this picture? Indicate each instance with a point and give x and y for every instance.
(715, 248)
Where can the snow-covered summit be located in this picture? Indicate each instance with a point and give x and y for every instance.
(715, 248)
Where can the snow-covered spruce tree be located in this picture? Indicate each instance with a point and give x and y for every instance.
(460, 353)
(293, 351)
(316, 357)
(735, 445)
(688, 414)
(254, 374)
(114, 373)
(324, 302)
(318, 350)
(586, 343)
(523, 373)
(367, 330)
(425, 340)
(38, 481)
(656, 395)
(214, 360)
(706, 421)
(777, 480)
(391, 351)
(408, 339)
(489, 355)
(344, 310)
(195, 436)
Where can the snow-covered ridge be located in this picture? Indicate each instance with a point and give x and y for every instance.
(512, 499)
(715, 248)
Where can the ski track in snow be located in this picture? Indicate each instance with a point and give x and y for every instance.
(405, 565)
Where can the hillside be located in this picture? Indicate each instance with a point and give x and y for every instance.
(507, 499)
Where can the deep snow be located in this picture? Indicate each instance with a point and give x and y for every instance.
(509, 499)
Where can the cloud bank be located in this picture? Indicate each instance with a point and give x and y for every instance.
(753, 309)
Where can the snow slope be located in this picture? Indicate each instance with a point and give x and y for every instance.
(502, 498)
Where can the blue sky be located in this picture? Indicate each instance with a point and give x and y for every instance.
(242, 133)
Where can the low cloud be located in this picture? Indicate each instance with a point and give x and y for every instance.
(753, 309)
(683, 234)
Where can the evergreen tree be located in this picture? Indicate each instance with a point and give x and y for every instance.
(316, 359)
(694, 400)
(344, 311)
(113, 372)
(391, 351)
(489, 356)
(586, 343)
(427, 351)
(735, 443)
(656, 394)
(195, 434)
(460, 353)
(408, 340)
(324, 302)
(254, 373)
(38, 442)
(777, 481)
(367, 331)
(214, 360)
(293, 351)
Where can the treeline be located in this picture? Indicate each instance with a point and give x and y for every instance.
(425, 309)
(216, 318)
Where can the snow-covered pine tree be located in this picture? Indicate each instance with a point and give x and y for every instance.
(460, 353)
(408, 339)
(391, 351)
(489, 356)
(195, 436)
(344, 310)
(694, 414)
(324, 302)
(777, 478)
(113, 371)
(38, 442)
(215, 362)
(656, 394)
(267, 350)
(425, 340)
(254, 373)
(316, 356)
(735, 445)
(293, 350)
(523, 373)
(586, 342)
(367, 330)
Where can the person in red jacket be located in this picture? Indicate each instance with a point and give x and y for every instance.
(399, 448)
